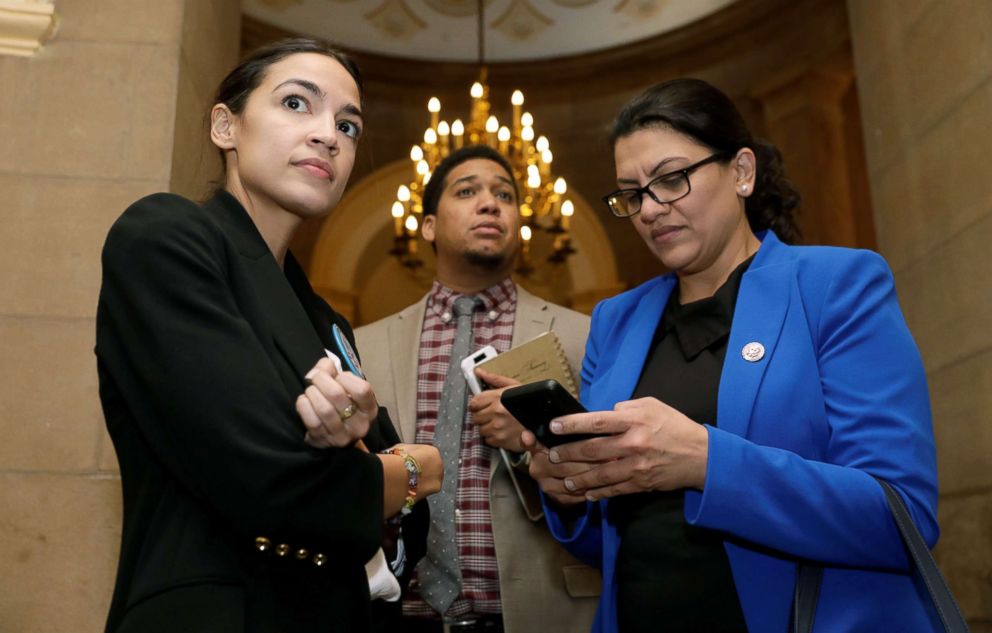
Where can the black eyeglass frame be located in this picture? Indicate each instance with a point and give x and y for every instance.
(646, 189)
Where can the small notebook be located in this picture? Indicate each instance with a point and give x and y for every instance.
(540, 358)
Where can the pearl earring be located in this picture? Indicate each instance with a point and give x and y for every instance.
(743, 188)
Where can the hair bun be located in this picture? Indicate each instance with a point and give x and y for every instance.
(774, 203)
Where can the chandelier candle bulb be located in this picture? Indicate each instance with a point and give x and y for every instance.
(503, 136)
(525, 235)
(397, 212)
(444, 131)
(534, 179)
(567, 210)
(416, 154)
(411, 233)
(546, 158)
(480, 112)
(458, 131)
(517, 100)
(492, 127)
(527, 119)
(434, 107)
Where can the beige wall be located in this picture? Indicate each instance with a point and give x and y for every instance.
(87, 126)
(925, 82)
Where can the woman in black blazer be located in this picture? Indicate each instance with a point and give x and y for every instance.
(254, 487)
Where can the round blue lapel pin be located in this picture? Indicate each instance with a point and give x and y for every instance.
(350, 357)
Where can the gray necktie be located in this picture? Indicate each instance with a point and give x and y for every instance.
(439, 575)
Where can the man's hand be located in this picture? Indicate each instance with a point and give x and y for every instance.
(497, 427)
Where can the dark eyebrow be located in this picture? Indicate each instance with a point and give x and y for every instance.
(352, 110)
(661, 163)
(473, 179)
(309, 86)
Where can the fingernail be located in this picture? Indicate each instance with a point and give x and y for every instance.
(311, 374)
(555, 426)
(553, 455)
(569, 485)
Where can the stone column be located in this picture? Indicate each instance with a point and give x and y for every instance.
(808, 117)
(98, 117)
(925, 81)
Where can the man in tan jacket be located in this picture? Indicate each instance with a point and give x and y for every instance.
(511, 575)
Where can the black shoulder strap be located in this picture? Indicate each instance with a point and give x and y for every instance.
(809, 576)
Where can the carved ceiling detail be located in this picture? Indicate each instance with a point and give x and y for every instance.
(455, 8)
(445, 30)
(522, 22)
(641, 9)
(279, 5)
(395, 19)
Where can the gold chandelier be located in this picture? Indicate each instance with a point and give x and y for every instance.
(543, 205)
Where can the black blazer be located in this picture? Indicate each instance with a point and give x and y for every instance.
(202, 344)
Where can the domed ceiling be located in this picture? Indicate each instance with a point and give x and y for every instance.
(446, 30)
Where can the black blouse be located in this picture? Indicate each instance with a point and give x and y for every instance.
(673, 576)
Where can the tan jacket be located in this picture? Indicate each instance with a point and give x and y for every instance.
(543, 588)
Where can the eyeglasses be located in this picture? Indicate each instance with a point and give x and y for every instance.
(666, 188)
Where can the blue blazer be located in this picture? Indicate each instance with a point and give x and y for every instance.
(838, 398)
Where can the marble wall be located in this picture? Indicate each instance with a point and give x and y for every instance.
(98, 118)
(925, 81)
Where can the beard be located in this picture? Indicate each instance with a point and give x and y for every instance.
(486, 260)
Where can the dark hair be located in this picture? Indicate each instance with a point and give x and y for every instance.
(432, 192)
(700, 111)
(235, 89)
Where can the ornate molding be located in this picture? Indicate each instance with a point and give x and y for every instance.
(25, 25)
(521, 21)
(395, 19)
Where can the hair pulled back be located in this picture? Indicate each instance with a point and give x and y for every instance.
(705, 114)
(235, 89)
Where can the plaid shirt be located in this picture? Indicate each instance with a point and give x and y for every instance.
(491, 325)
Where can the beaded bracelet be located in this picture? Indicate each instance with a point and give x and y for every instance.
(413, 477)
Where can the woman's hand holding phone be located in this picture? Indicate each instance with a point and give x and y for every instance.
(649, 446)
(550, 476)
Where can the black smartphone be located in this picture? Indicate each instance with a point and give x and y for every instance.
(535, 404)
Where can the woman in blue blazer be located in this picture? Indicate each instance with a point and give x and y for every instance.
(818, 390)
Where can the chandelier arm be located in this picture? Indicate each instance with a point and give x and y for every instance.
(482, 31)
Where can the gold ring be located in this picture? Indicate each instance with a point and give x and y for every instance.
(347, 412)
